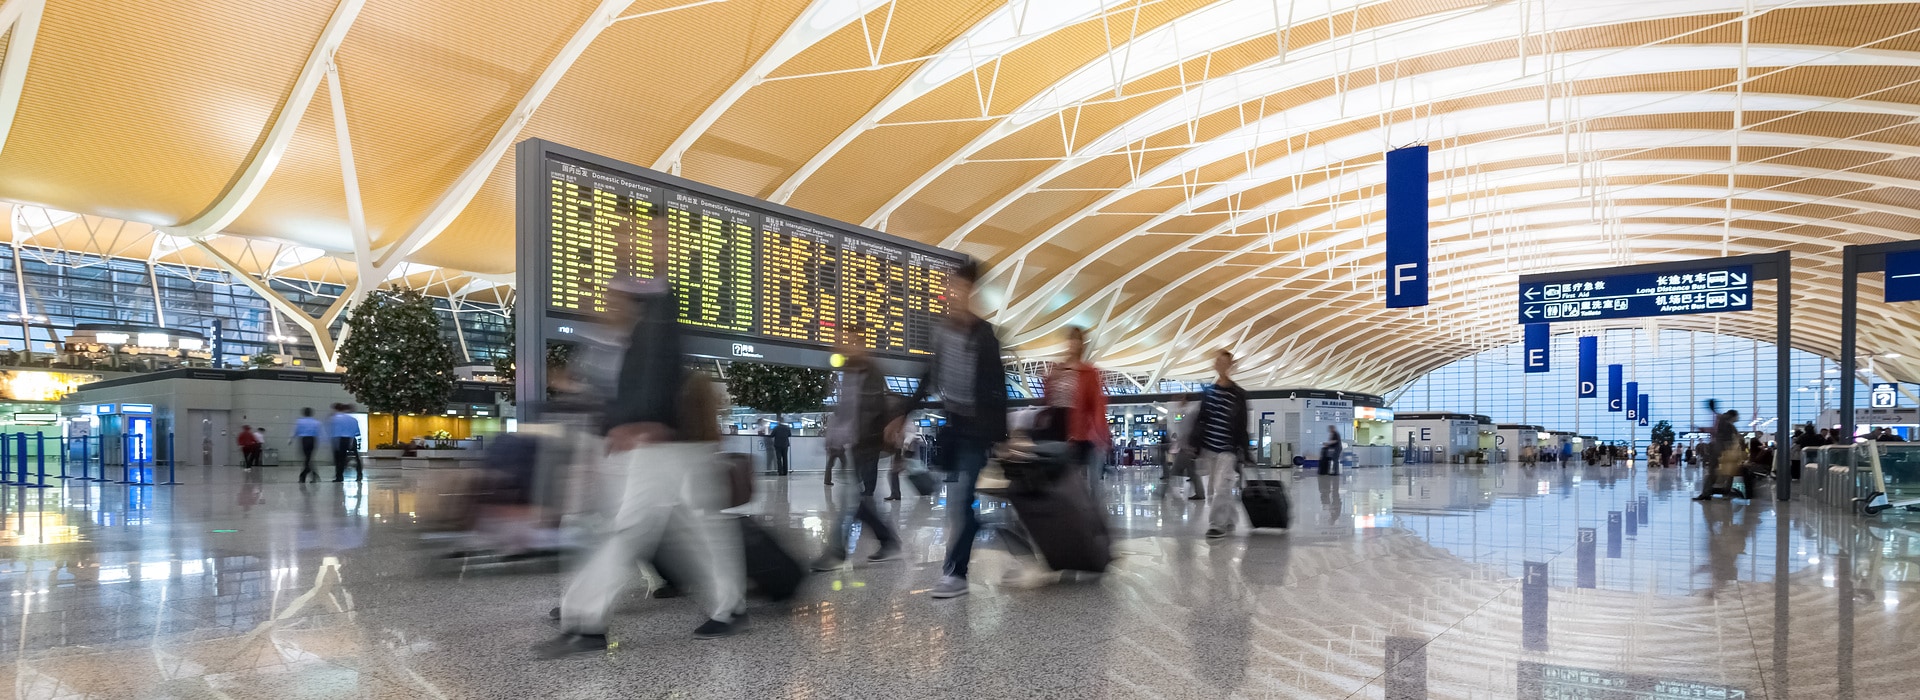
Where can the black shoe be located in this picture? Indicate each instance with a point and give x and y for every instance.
(715, 629)
(666, 592)
(1197, 497)
(1703, 497)
(569, 644)
(336, 481)
(887, 552)
(891, 498)
(1216, 533)
(829, 483)
(824, 564)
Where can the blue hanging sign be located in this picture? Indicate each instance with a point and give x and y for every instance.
(1633, 401)
(1597, 295)
(1903, 275)
(1589, 367)
(1614, 390)
(1407, 201)
(1646, 402)
(1539, 339)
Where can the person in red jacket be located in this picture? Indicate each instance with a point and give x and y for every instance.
(1076, 399)
(249, 446)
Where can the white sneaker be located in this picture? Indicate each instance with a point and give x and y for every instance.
(950, 587)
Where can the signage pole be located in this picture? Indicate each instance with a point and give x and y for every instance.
(1783, 377)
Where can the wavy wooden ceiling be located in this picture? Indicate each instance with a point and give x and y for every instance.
(1218, 188)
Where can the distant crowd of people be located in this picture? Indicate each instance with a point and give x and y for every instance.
(341, 432)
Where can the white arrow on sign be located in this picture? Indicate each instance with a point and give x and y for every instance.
(1532, 292)
(1531, 312)
(1739, 300)
(1737, 278)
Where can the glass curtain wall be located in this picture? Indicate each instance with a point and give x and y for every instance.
(64, 289)
(1680, 369)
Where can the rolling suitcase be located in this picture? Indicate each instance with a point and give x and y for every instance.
(1330, 460)
(923, 482)
(772, 571)
(1266, 501)
(1063, 525)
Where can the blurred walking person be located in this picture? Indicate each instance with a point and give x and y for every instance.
(666, 449)
(858, 429)
(780, 439)
(1185, 457)
(1219, 440)
(249, 447)
(346, 442)
(1330, 451)
(966, 377)
(1077, 405)
(1724, 458)
(306, 432)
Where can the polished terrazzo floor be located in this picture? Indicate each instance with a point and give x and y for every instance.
(1414, 582)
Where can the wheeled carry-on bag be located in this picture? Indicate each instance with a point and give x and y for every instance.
(1265, 499)
(1064, 526)
(772, 571)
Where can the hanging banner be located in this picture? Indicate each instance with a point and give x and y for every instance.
(1646, 401)
(1903, 275)
(1539, 339)
(1589, 367)
(1633, 401)
(1614, 397)
(1407, 227)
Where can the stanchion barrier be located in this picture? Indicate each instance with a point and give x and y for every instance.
(170, 461)
(40, 456)
(64, 443)
(6, 461)
(20, 458)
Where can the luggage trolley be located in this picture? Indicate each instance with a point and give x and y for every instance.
(1891, 471)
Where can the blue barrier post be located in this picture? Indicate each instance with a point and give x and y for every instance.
(170, 460)
(143, 458)
(20, 457)
(64, 442)
(6, 460)
(40, 450)
(126, 459)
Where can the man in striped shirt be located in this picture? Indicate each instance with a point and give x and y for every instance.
(1219, 440)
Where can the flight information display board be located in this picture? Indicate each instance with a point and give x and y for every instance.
(741, 268)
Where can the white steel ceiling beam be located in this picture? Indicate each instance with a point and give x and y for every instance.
(286, 123)
(454, 200)
(820, 20)
(23, 18)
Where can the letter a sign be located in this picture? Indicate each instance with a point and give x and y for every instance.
(1407, 227)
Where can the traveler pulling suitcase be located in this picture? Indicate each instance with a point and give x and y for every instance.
(1329, 460)
(1265, 499)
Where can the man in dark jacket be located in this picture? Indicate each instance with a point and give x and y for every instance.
(1219, 439)
(668, 478)
(858, 428)
(967, 378)
(781, 439)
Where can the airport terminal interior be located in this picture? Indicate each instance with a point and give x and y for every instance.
(1394, 349)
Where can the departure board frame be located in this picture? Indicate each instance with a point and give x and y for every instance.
(724, 254)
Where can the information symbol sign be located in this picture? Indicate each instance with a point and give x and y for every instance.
(1885, 395)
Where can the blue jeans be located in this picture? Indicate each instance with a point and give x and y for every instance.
(963, 524)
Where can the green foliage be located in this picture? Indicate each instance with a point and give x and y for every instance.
(1663, 431)
(264, 359)
(778, 389)
(503, 365)
(396, 360)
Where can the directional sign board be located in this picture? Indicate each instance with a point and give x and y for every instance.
(1598, 295)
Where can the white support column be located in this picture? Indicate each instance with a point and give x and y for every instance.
(153, 283)
(317, 329)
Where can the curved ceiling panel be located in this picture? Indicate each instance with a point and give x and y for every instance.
(1180, 175)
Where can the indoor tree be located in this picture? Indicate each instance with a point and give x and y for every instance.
(778, 389)
(1662, 432)
(395, 358)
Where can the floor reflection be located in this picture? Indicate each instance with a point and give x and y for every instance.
(1424, 581)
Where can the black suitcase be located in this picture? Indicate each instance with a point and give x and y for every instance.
(1266, 502)
(772, 571)
(1329, 460)
(923, 482)
(1065, 527)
